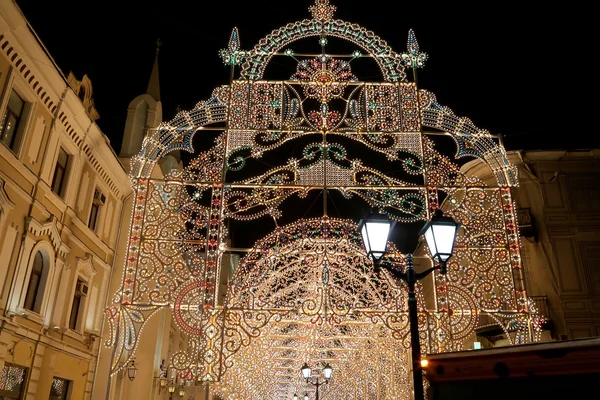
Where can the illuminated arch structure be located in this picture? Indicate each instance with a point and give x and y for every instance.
(307, 292)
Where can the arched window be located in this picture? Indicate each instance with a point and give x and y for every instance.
(35, 289)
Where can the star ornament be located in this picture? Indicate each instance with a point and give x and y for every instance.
(322, 10)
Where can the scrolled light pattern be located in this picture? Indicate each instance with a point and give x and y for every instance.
(307, 292)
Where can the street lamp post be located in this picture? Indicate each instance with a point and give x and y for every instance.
(440, 234)
(306, 374)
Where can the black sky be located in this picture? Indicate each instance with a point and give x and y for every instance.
(510, 67)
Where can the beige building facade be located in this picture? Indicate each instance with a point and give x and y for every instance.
(65, 207)
(559, 222)
(62, 191)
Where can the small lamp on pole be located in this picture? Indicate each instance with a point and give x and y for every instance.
(306, 374)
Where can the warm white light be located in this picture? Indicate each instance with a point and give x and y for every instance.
(441, 238)
(440, 234)
(306, 371)
(424, 362)
(375, 230)
(327, 371)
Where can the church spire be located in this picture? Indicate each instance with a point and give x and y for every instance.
(153, 85)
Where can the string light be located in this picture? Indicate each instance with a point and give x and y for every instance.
(307, 292)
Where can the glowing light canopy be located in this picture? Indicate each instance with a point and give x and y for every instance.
(307, 292)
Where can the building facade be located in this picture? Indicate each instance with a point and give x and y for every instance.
(62, 190)
(559, 223)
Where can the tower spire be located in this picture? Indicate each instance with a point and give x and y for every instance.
(153, 85)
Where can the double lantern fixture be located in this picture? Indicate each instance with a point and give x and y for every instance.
(440, 235)
(307, 373)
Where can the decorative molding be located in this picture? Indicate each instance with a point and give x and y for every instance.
(44, 95)
(86, 265)
(48, 228)
(5, 203)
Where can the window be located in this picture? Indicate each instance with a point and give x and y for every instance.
(99, 201)
(11, 119)
(59, 171)
(35, 289)
(60, 389)
(94, 216)
(78, 302)
(12, 378)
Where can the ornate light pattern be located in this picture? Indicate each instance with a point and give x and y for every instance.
(324, 77)
(307, 292)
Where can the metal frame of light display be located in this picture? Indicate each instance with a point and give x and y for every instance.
(307, 292)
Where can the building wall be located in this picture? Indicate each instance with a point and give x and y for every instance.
(561, 253)
(35, 218)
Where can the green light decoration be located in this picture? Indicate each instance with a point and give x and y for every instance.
(232, 55)
(413, 58)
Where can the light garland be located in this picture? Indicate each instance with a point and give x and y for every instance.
(307, 291)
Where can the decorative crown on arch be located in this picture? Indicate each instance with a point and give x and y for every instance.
(322, 10)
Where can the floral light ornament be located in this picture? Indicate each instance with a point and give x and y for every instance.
(323, 77)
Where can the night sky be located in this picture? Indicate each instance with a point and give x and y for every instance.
(511, 68)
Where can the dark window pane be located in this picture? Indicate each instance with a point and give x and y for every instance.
(59, 171)
(93, 216)
(11, 118)
(34, 287)
(75, 311)
(12, 378)
(15, 103)
(59, 389)
(38, 263)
